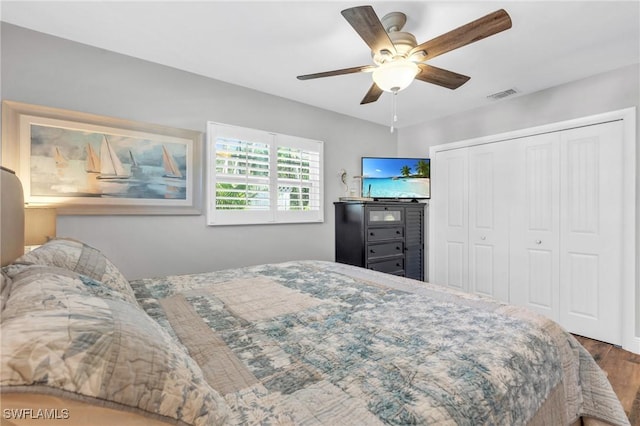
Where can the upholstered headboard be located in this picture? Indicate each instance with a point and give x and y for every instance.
(11, 217)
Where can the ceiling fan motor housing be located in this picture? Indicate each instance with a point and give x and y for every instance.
(393, 21)
(403, 41)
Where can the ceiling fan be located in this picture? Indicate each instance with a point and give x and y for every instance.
(399, 59)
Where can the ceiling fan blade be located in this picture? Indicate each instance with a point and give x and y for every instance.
(486, 26)
(352, 70)
(364, 20)
(372, 95)
(441, 77)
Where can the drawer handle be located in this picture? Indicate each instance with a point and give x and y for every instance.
(398, 264)
(372, 233)
(372, 251)
(538, 241)
(398, 232)
(398, 248)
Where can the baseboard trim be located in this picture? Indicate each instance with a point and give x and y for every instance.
(632, 346)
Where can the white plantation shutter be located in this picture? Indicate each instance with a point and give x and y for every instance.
(262, 177)
(298, 178)
(242, 170)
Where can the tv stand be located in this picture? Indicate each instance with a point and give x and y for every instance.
(386, 236)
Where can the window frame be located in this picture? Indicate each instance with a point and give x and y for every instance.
(273, 215)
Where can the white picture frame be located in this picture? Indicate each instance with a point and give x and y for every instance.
(83, 163)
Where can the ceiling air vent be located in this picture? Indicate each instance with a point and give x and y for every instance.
(503, 94)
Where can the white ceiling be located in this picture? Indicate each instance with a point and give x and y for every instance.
(264, 45)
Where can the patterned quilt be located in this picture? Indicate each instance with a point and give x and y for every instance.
(319, 343)
(305, 343)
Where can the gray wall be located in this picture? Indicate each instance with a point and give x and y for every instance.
(610, 91)
(45, 70)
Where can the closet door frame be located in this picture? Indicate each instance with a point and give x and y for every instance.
(630, 294)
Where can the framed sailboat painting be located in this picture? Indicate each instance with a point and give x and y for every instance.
(82, 163)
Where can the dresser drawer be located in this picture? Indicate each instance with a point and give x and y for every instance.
(394, 266)
(383, 215)
(375, 251)
(379, 234)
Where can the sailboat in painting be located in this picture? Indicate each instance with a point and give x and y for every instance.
(136, 169)
(92, 163)
(60, 159)
(171, 169)
(110, 165)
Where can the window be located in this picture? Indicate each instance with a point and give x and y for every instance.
(261, 177)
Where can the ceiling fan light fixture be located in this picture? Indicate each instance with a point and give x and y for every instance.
(395, 76)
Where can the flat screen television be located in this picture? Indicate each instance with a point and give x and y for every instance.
(396, 178)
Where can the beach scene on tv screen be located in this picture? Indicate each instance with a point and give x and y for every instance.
(395, 178)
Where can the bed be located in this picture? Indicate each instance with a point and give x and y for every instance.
(300, 342)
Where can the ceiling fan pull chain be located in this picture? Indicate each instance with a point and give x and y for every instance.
(394, 105)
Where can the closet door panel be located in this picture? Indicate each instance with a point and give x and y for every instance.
(591, 231)
(541, 283)
(489, 220)
(455, 272)
(450, 194)
(482, 273)
(534, 254)
(582, 285)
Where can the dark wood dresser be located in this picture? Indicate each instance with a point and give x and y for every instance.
(385, 236)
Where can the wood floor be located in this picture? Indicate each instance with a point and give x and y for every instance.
(623, 371)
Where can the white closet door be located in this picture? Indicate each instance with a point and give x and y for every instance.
(565, 193)
(591, 231)
(450, 195)
(489, 181)
(534, 256)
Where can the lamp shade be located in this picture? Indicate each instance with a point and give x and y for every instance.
(39, 225)
(396, 75)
